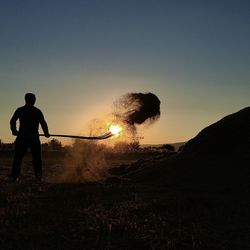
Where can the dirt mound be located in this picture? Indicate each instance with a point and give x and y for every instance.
(231, 134)
(217, 157)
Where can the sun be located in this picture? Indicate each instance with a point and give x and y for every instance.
(115, 129)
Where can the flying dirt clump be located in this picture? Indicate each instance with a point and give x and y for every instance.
(136, 108)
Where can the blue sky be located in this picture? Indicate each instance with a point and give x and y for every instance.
(80, 56)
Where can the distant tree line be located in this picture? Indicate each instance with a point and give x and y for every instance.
(119, 147)
(52, 145)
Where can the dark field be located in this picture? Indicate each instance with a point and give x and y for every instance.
(153, 202)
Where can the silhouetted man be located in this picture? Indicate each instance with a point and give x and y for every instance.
(27, 136)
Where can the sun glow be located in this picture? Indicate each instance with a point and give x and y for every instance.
(115, 129)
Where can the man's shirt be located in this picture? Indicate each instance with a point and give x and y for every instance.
(29, 119)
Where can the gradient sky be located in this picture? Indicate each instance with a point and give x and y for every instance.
(78, 56)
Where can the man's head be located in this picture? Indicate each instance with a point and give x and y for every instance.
(30, 99)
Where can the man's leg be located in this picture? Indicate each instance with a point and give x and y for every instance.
(20, 150)
(35, 148)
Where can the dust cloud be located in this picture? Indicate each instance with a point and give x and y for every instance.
(86, 160)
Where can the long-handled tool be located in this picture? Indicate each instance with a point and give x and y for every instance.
(100, 137)
(113, 130)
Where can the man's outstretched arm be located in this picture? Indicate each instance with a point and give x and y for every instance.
(44, 126)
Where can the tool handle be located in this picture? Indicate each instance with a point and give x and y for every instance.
(101, 137)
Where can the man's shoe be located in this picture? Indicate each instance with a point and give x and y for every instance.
(14, 179)
(39, 179)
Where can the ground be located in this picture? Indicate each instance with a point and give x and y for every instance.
(146, 210)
